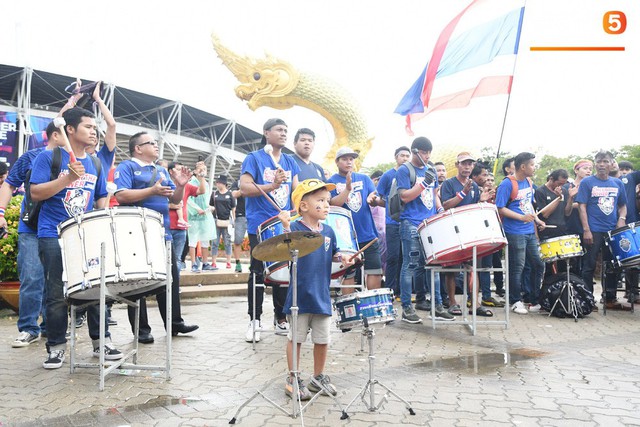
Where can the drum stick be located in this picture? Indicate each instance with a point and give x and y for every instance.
(60, 124)
(363, 249)
(268, 198)
(550, 226)
(543, 210)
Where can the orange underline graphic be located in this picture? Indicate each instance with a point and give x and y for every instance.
(577, 48)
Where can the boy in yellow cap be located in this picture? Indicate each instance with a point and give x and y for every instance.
(311, 200)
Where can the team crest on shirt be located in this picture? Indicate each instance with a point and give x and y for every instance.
(327, 243)
(354, 200)
(606, 205)
(281, 195)
(426, 196)
(76, 201)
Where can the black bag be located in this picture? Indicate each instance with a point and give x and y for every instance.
(31, 211)
(396, 205)
(552, 291)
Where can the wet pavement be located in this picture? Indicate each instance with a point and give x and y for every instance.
(540, 371)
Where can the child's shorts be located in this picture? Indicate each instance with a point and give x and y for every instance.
(318, 323)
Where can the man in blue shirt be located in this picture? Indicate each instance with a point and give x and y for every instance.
(392, 228)
(69, 195)
(355, 192)
(142, 183)
(421, 202)
(30, 269)
(518, 220)
(602, 205)
(630, 179)
(303, 144)
(275, 173)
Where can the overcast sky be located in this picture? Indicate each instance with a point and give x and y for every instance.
(561, 103)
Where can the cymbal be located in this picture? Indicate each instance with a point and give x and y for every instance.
(278, 248)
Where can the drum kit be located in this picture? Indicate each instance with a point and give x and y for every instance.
(564, 296)
(279, 251)
(118, 254)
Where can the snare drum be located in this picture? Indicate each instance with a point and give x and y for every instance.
(449, 238)
(375, 305)
(624, 244)
(560, 248)
(135, 254)
(339, 219)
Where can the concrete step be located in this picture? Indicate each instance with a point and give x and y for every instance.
(218, 290)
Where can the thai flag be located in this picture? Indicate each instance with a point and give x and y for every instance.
(474, 56)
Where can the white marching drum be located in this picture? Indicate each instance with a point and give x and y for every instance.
(449, 238)
(135, 252)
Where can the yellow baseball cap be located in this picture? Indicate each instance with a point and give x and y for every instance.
(308, 186)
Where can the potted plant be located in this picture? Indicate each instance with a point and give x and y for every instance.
(9, 284)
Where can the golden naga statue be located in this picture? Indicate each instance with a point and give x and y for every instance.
(277, 84)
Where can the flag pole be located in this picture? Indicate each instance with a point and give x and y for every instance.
(513, 74)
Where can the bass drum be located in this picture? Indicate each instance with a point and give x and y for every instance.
(552, 290)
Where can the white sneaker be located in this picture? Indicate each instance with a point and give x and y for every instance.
(24, 339)
(281, 328)
(535, 308)
(519, 308)
(248, 337)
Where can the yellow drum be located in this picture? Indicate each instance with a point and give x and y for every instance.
(560, 248)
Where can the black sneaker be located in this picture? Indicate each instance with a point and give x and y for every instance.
(55, 359)
(24, 339)
(80, 321)
(409, 315)
(423, 306)
(110, 352)
(302, 389)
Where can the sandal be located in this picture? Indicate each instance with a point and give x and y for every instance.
(455, 310)
(482, 311)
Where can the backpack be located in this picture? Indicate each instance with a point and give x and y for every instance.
(396, 205)
(514, 187)
(31, 211)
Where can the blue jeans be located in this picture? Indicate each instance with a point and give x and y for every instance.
(31, 285)
(524, 247)
(223, 233)
(413, 267)
(485, 277)
(179, 239)
(394, 258)
(56, 306)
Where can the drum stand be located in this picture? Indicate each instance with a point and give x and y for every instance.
(297, 409)
(369, 332)
(473, 322)
(113, 365)
(613, 269)
(571, 306)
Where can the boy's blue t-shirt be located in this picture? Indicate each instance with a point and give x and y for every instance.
(314, 275)
(70, 201)
(260, 166)
(361, 187)
(421, 207)
(131, 175)
(602, 197)
(452, 186)
(523, 204)
(384, 188)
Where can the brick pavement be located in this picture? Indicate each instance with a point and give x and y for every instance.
(540, 371)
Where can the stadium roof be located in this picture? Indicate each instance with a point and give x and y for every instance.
(185, 132)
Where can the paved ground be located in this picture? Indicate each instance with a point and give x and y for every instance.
(539, 371)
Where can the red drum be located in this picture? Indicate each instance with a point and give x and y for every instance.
(449, 238)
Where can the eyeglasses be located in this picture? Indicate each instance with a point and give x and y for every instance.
(154, 143)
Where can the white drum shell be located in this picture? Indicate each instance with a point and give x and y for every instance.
(140, 264)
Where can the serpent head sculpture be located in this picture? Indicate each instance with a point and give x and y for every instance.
(275, 83)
